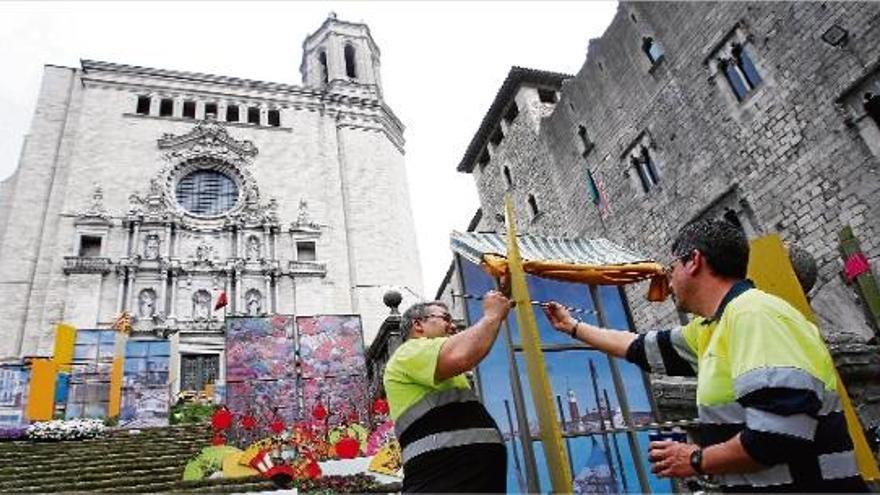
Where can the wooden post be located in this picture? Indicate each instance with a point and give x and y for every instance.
(865, 283)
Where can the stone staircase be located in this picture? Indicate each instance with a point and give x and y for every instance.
(149, 462)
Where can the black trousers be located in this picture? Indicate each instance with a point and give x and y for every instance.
(478, 468)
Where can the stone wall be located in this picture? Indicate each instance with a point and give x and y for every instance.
(796, 156)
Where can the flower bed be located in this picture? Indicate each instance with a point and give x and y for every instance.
(59, 429)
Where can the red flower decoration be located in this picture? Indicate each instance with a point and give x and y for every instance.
(380, 406)
(248, 422)
(218, 439)
(221, 419)
(313, 470)
(319, 413)
(276, 426)
(347, 448)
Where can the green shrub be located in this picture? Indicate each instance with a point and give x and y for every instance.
(191, 412)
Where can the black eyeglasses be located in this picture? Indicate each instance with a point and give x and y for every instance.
(683, 259)
(445, 317)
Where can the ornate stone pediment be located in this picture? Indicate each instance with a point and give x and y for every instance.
(207, 137)
(95, 213)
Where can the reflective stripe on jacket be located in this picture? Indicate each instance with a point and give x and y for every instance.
(764, 372)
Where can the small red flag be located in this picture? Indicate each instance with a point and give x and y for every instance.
(221, 301)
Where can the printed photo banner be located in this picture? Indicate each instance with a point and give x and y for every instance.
(343, 397)
(88, 391)
(331, 345)
(260, 349)
(146, 395)
(14, 381)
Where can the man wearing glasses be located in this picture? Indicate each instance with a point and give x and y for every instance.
(770, 416)
(449, 442)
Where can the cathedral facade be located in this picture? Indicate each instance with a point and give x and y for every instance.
(164, 193)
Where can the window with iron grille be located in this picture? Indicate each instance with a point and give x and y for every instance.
(198, 370)
(206, 192)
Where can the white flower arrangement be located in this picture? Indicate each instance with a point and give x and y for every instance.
(60, 429)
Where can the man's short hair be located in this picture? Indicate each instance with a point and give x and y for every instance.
(723, 244)
(418, 311)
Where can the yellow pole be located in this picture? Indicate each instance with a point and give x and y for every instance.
(542, 395)
(771, 270)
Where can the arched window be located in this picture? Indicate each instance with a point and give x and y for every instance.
(350, 70)
(322, 59)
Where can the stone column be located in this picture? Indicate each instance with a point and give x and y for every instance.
(172, 312)
(267, 279)
(167, 241)
(238, 295)
(127, 241)
(136, 240)
(265, 242)
(120, 292)
(131, 278)
(163, 289)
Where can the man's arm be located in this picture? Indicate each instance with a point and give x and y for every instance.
(613, 342)
(463, 351)
(673, 459)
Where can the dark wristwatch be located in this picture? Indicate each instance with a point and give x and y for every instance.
(697, 461)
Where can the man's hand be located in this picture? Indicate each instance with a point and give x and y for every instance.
(671, 459)
(558, 316)
(495, 306)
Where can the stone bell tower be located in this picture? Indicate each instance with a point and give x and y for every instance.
(341, 56)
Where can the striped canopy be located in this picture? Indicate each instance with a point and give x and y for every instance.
(591, 261)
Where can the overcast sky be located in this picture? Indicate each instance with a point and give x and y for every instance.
(442, 63)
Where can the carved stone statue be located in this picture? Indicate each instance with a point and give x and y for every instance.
(254, 302)
(303, 217)
(147, 303)
(151, 247)
(203, 252)
(253, 248)
(201, 305)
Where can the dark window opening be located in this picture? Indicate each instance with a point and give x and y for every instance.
(872, 107)
(731, 217)
(507, 178)
(601, 67)
(305, 251)
(594, 189)
(189, 109)
(746, 66)
(166, 107)
(740, 72)
(652, 49)
(350, 70)
(89, 246)
(496, 136)
(533, 205)
(512, 113)
(585, 139)
(633, 17)
(483, 159)
(547, 95)
(198, 370)
(253, 115)
(210, 109)
(232, 113)
(646, 170)
(274, 118)
(143, 106)
(322, 59)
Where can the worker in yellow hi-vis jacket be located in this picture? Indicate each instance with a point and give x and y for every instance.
(769, 410)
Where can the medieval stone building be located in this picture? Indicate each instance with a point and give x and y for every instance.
(762, 113)
(157, 192)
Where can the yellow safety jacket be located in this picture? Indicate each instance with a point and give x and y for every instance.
(763, 372)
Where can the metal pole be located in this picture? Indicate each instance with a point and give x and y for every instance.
(519, 475)
(620, 389)
(567, 440)
(616, 445)
(602, 423)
